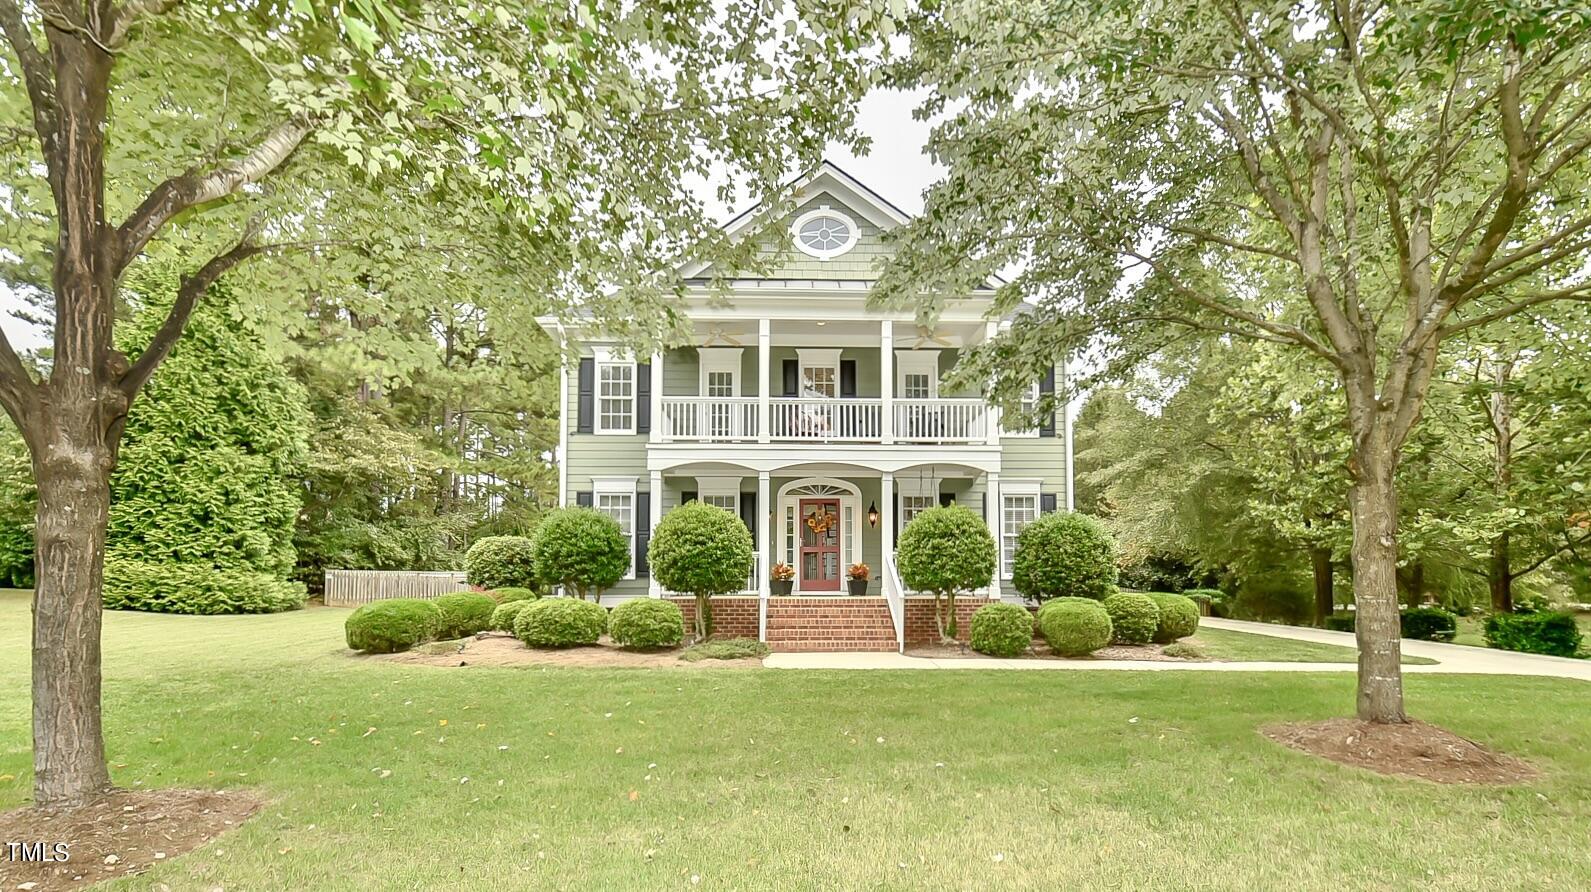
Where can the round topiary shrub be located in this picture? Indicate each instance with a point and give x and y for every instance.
(503, 617)
(582, 550)
(1075, 630)
(512, 593)
(1064, 599)
(1064, 554)
(561, 622)
(388, 627)
(496, 562)
(1133, 617)
(946, 551)
(463, 613)
(702, 551)
(646, 623)
(1001, 630)
(1179, 617)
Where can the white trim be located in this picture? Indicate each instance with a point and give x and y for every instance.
(917, 362)
(608, 357)
(816, 358)
(618, 486)
(853, 232)
(850, 539)
(1018, 489)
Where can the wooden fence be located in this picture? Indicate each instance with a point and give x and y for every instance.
(350, 588)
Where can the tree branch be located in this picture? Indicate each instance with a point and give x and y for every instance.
(124, 17)
(1577, 292)
(36, 71)
(17, 387)
(192, 189)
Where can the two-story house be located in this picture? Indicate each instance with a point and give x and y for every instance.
(822, 423)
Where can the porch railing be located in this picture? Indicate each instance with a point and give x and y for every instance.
(825, 420)
(711, 418)
(895, 597)
(941, 420)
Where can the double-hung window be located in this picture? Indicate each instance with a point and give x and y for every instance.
(616, 499)
(1030, 400)
(615, 397)
(1017, 510)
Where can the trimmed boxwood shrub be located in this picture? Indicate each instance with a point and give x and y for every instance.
(1075, 630)
(195, 589)
(561, 622)
(391, 626)
(496, 562)
(1133, 617)
(463, 613)
(1001, 630)
(1179, 617)
(1064, 599)
(1555, 634)
(503, 617)
(1428, 624)
(1064, 554)
(945, 551)
(645, 623)
(582, 550)
(512, 593)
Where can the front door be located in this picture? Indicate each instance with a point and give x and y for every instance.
(820, 545)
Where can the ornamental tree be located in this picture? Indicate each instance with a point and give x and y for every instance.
(1356, 182)
(582, 550)
(544, 149)
(701, 550)
(946, 551)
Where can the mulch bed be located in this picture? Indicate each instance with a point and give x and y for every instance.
(1412, 749)
(1041, 651)
(499, 649)
(122, 833)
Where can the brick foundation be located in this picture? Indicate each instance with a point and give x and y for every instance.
(734, 616)
(920, 628)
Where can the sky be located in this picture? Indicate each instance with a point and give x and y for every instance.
(895, 168)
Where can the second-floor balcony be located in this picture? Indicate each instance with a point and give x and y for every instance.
(824, 420)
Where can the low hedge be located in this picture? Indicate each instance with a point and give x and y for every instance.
(1001, 630)
(1133, 617)
(1073, 629)
(1428, 624)
(503, 617)
(391, 626)
(463, 613)
(1179, 617)
(195, 589)
(1555, 633)
(647, 623)
(561, 622)
(510, 593)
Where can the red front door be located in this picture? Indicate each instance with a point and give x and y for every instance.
(820, 545)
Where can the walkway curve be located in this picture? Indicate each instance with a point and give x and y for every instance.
(1451, 658)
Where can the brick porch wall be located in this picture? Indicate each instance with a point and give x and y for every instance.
(734, 616)
(920, 628)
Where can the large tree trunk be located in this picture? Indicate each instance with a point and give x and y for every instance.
(1325, 601)
(74, 502)
(1500, 575)
(1373, 500)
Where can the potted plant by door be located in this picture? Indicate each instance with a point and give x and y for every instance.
(782, 578)
(856, 577)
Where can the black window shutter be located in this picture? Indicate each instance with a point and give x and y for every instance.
(897, 517)
(1047, 426)
(848, 378)
(792, 372)
(946, 499)
(748, 513)
(584, 498)
(643, 533)
(643, 398)
(587, 391)
(687, 496)
(1047, 503)
(983, 505)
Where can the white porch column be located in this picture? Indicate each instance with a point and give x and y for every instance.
(655, 486)
(886, 381)
(993, 519)
(992, 435)
(765, 509)
(886, 517)
(657, 398)
(764, 378)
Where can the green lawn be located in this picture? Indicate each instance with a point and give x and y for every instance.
(1220, 644)
(764, 779)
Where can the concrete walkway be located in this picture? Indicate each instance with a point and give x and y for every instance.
(1451, 658)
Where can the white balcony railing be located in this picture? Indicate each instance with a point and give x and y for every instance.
(709, 418)
(825, 420)
(941, 421)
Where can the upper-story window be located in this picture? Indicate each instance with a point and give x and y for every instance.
(825, 233)
(1030, 399)
(615, 397)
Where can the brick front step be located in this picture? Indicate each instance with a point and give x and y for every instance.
(830, 624)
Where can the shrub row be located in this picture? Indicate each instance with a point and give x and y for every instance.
(1554, 633)
(1076, 626)
(195, 588)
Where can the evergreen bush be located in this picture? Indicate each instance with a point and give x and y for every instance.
(1064, 554)
(561, 622)
(582, 550)
(701, 550)
(1556, 634)
(946, 551)
(463, 613)
(391, 626)
(1133, 617)
(195, 589)
(1179, 617)
(646, 623)
(503, 616)
(1074, 629)
(498, 562)
(1001, 630)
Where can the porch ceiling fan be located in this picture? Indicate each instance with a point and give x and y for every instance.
(717, 337)
(926, 335)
